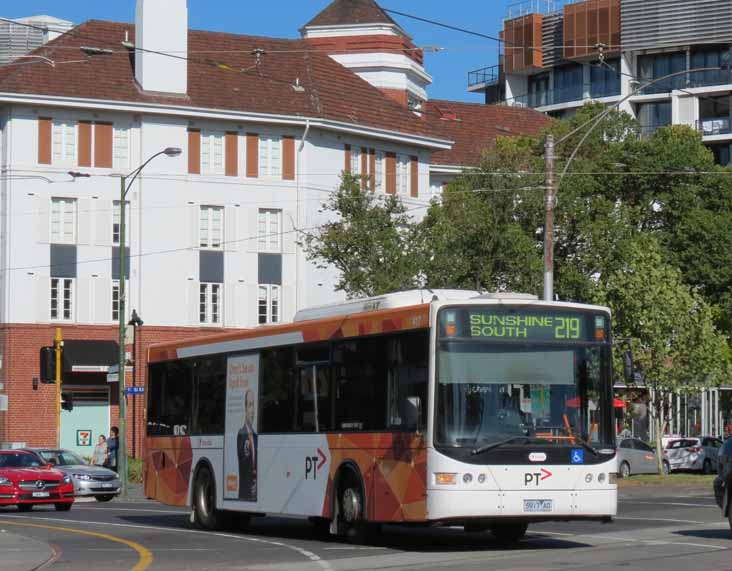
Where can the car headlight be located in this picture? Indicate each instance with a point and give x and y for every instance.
(67, 479)
(5, 482)
(84, 477)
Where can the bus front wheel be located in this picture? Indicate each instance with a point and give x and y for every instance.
(204, 500)
(509, 532)
(352, 522)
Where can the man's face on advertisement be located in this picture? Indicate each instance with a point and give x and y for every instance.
(249, 407)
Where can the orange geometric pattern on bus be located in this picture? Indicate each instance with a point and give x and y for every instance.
(168, 469)
(394, 470)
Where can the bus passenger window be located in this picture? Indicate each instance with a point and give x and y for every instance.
(171, 389)
(407, 358)
(278, 390)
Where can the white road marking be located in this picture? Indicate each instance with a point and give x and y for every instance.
(304, 552)
(715, 506)
(107, 508)
(623, 518)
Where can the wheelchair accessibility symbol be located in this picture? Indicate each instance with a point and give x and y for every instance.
(578, 456)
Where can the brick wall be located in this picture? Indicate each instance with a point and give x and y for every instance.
(31, 417)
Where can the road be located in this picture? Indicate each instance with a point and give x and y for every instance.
(667, 529)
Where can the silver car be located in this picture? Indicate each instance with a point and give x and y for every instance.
(636, 457)
(89, 480)
(699, 454)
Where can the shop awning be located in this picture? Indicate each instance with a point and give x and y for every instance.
(89, 356)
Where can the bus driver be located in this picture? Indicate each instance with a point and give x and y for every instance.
(246, 449)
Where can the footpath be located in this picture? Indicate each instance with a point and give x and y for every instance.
(21, 553)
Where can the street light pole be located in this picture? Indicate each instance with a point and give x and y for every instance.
(122, 437)
(550, 198)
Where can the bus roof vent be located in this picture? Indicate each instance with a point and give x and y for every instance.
(508, 296)
(386, 301)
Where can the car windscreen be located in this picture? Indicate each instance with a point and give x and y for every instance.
(19, 460)
(61, 458)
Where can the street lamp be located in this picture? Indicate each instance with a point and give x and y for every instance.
(135, 322)
(122, 438)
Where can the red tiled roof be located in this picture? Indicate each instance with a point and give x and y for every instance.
(474, 127)
(331, 91)
(348, 12)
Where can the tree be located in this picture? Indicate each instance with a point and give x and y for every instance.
(670, 328)
(373, 243)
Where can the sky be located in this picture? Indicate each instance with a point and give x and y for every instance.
(283, 18)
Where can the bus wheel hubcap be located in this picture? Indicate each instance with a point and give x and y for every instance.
(351, 505)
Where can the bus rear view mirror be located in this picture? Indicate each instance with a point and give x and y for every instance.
(628, 367)
(413, 413)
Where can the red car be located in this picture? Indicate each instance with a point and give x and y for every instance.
(26, 480)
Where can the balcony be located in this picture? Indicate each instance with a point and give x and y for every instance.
(714, 126)
(649, 128)
(485, 76)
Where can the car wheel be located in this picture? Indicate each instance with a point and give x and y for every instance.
(509, 533)
(204, 501)
(625, 470)
(104, 498)
(707, 467)
(63, 507)
(666, 468)
(25, 507)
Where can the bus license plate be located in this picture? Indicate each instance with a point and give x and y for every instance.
(538, 506)
(41, 494)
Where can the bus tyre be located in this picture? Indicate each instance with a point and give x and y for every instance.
(352, 524)
(204, 501)
(509, 532)
(475, 528)
(625, 470)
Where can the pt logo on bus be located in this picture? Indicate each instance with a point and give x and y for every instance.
(313, 464)
(536, 477)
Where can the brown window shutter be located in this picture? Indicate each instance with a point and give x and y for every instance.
(390, 173)
(45, 138)
(252, 155)
(364, 167)
(288, 158)
(85, 143)
(194, 151)
(103, 145)
(372, 170)
(232, 154)
(414, 177)
(348, 159)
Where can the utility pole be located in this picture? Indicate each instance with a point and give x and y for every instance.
(58, 344)
(550, 199)
(122, 436)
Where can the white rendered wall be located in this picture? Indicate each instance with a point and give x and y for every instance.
(163, 223)
(517, 86)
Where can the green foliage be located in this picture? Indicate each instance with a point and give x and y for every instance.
(134, 470)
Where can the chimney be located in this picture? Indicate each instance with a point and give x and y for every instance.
(161, 26)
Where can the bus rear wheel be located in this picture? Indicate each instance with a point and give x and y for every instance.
(509, 532)
(204, 501)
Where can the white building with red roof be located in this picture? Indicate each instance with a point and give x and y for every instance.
(266, 127)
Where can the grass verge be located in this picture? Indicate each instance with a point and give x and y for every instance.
(134, 470)
(670, 480)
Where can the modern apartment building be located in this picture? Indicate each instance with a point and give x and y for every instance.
(557, 56)
(266, 127)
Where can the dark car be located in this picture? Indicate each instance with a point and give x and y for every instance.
(26, 481)
(723, 482)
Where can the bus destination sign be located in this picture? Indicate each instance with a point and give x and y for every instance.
(526, 326)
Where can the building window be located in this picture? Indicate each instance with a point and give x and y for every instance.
(62, 294)
(379, 174)
(116, 222)
(605, 79)
(402, 180)
(270, 156)
(63, 220)
(652, 67)
(568, 84)
(115, 298)
(538, 92)
(269, 225)
(64, 143)
(356, 161)
(209, 305)
(710, 57)
(121, 148)
(653, 116)
(212, 153)
(269, 304)
(211, 227)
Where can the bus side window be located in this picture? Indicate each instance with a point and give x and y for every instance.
(170, 396)
(278, 392)
(407, 358)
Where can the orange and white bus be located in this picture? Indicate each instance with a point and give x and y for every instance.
(430, 407)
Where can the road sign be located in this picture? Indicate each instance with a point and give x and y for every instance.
(135, 390)
(83, 437)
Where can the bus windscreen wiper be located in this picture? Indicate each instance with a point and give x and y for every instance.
(487, 447)
(587, 446)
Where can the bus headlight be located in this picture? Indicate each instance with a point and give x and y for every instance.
(467, 478)
(601, 478)
(481, 479)
(588, 478)
(445, 478)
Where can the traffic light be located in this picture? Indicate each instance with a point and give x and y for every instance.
(48, 365)
(67, 401)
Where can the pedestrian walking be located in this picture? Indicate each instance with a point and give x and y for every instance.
(99, 457)
(112, 444)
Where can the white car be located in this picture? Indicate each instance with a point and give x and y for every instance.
(698, 454)
(635, 457)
